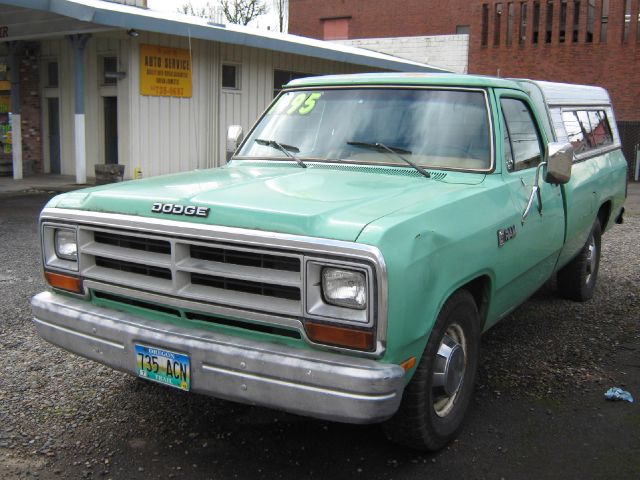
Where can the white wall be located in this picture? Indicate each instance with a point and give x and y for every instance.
(450, 52)
(164, 134)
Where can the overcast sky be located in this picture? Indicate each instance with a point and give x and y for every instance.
(270, 19)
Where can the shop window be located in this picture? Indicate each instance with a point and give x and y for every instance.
(109, 70)
(462, 29)
(52, 74)
(231, 76)
(335, 28)
(282, 77)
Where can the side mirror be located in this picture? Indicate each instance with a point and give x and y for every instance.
(234, 138)
(559, 161)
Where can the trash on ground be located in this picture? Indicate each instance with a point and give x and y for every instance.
(616, 393)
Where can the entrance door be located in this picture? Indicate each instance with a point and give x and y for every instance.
(53, 113)
(111, 130)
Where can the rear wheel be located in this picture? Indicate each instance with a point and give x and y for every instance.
(577, 279)
(436, 399)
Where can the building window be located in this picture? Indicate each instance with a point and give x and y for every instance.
(109, 69)
(282, 77)
(510, 18)
(485, 25)
(536, 22)
(52, 74)
(563, 21)
(604, 21)
(335, 28)
(523, 23)
(231, 76)
(626, 21)
(576, 21)
(549, 29)
(591, 13)
(496, 27)
(462, 29)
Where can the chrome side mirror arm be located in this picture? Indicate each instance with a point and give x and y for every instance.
(535, 192)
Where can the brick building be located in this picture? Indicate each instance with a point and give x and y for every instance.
(577, 41)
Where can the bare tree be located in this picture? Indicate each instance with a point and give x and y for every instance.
(189, 9)
(242, 11)
(282, 10)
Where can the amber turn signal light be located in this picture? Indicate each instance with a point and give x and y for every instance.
(340, 336)
(408, 364)
(64, 282)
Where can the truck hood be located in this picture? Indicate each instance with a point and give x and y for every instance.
(324, 200)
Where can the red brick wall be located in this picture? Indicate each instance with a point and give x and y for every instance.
(31, 112)
(380, 18)
(614, 65)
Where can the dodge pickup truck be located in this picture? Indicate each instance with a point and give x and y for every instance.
(345, 260)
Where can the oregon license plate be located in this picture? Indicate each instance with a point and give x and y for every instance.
(163, 366)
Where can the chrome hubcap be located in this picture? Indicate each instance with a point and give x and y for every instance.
(448, 369)
(592, 254)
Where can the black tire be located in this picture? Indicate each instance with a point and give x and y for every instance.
(429, 418)
(577, 280)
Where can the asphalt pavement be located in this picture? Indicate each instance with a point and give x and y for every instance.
(539, 410)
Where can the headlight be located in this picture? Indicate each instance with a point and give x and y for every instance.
(66, 245)
(344, 288)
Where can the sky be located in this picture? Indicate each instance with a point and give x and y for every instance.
(270, 19)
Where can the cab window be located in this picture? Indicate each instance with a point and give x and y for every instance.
(522, 140)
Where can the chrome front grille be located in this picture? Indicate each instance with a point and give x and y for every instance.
(254, 278)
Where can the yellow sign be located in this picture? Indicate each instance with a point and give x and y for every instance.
(165, 71)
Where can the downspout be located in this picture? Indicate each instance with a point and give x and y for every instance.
(79, 42)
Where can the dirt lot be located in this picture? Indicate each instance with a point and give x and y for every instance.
(539, 410)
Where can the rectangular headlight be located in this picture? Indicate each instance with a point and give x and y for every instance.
(66, 245)
(60, 247)
(344, 288)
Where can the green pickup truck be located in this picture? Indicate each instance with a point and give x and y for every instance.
(344, 262)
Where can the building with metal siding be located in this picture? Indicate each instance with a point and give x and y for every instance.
(79, 84)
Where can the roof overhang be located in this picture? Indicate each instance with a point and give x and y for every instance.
(96, 14)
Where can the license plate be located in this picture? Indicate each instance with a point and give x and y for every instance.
(163, 366)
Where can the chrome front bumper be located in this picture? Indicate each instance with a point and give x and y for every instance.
(317, 384)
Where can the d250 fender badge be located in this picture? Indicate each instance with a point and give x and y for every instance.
(177, 209)
(506, 234)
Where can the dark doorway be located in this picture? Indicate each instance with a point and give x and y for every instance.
(110, 130)
(53, 112)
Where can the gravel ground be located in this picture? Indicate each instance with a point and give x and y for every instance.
(539, 410)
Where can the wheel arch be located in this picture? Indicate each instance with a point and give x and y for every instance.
(604, 214)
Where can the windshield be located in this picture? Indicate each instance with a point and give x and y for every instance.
(432, 128)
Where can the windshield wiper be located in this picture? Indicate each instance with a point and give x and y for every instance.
(284, 148)
(394, 150)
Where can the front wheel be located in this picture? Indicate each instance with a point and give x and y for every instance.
(577, 279)
(436, 399)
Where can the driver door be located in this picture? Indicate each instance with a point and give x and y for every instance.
(529, 257)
